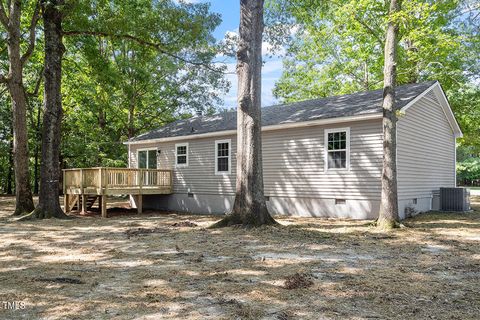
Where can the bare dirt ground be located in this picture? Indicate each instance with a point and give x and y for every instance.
(145, 267)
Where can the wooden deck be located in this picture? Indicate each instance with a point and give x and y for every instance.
(81, 184)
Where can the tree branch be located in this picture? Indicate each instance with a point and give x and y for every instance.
(33, 25)
(369, 29)
(3, 79)
(141, 41)
(3, 15)
(37, 84)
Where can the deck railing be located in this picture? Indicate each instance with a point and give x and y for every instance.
(88, 180)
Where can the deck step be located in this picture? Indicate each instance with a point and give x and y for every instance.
(90, 202)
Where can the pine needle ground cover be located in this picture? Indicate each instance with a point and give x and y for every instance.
(171, 266)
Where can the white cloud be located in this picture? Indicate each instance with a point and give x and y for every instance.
(272, 66)
(268, 49)
(270, 74)
(231, 34)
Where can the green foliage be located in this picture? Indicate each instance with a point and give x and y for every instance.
(468, 171)
(5, 140)
(468, 165)
(140, 65)
(32, 74)
(130, 66)
(337, 48)
(465, 102)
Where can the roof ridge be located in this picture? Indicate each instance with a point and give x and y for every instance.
(324, 98)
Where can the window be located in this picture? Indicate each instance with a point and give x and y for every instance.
(147, 159)
(181, 154)
(222, 156)
(337, 149)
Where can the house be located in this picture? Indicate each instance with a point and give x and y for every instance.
(321, 158)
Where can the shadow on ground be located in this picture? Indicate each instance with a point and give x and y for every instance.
(144, 267)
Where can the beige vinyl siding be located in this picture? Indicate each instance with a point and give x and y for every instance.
(425, 150)
(199, 176)
(293, 162)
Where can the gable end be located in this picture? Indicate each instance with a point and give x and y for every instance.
(439, 94)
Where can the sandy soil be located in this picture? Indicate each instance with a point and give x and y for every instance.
(143, 267)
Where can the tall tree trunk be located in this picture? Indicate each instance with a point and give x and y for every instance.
(366, 83)
(131, 97)
(388, 215)
(9, 189)
(131, 117)
(249, 207)
(48, 202)
(23, 192)
(411, 51)
(38, 136)
(102, 123)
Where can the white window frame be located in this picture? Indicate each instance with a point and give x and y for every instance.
(325, 149)
(181, 165)
(146, 149)
(229, 141)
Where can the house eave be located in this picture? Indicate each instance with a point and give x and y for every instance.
(364, 117)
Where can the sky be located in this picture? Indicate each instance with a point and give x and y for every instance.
(272, 69)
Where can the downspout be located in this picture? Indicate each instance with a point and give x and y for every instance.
(455, 161)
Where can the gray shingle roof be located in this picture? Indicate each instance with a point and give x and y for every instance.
(360, 103)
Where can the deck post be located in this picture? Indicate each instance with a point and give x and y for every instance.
(84, 203)
(79, 184)
(64, 184)
(140, 204)
(66, 207)
(103, 202)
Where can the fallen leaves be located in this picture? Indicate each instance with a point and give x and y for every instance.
(298, 281)
(144, 231)
(183, 224)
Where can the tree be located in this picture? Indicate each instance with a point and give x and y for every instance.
(125, 75)
(468, 171)
(466, 102)
(14, 81)
(249, 207)
(388, 215)
(48, 202)
(468, 166)
(111, 22)
(337, 48)
(6, 145)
